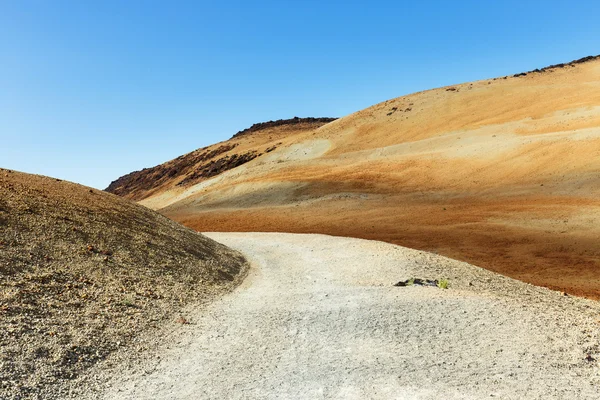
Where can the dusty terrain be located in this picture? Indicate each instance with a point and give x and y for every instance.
(502, 173)
(85, 274)
(318, 317)
(243, 147)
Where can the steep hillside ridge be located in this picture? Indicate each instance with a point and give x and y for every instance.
(501, 173)
(210, 161)
(561, 65)
(281, 122)
(84, 273)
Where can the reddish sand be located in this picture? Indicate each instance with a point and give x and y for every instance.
(564, 258)
(501, 173)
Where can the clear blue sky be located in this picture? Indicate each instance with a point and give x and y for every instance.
(91, 90)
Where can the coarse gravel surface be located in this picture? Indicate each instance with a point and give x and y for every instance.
(88, 278)
(318, 317)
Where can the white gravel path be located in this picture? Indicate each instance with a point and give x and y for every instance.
(319, 318)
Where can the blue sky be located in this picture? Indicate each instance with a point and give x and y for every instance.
(91, 90)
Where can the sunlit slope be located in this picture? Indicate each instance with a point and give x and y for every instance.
(503, 173)
(174, 176)
(84, 274)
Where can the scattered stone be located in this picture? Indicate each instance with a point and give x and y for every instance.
(562, 65)
(418, 282)
(214, 168)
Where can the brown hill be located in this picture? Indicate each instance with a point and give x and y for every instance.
(244, 146)
(502, 173)
(83, 273)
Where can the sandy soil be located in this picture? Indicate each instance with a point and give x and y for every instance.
(319, 317)
(501, 173)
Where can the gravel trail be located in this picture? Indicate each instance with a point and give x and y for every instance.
(319, 318)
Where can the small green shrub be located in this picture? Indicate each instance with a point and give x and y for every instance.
(443, 284)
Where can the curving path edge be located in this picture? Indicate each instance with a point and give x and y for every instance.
(319, 318)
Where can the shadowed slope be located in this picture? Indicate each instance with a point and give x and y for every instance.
(83, 273)
(502, 173)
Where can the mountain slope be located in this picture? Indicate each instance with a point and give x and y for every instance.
(502, 173)
(210, 161)
(84, 273)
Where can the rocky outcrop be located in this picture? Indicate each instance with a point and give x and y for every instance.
(280, 122)
(151, 178)
(562, 65)
(216, 167)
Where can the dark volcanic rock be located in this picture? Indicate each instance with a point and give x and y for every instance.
(292, 121)
(214, 168)
(150, 178)
(562, 65)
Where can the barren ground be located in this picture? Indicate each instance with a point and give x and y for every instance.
(319, 317)
(86, 276)
(502, 173)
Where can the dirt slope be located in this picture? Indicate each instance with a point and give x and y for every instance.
(244, 146)
(83, 273)
(502, 173)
